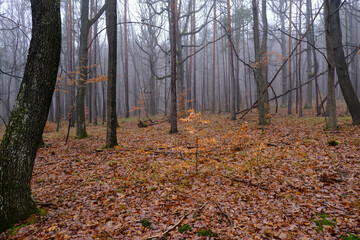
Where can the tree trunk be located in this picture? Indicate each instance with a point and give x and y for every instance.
(331, 100)
(335, 35)
(231, 65)
(84, 61)
(173, 33)
(24, 131)
(290, 66)
(299, 68)
(111, 27)
(260, 59)
(284, 54)
(309, 70)
(214, 63)
(126, 64)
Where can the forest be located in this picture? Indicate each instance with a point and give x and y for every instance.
(174, 119)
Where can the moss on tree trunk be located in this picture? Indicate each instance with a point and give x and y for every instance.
(24, 131)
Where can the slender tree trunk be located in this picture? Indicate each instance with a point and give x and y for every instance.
(290, 66)
(299, 68)
(231, 65)
(95, 72)
(84, 61)
(284, 54)
(331, 100)
(261, 61)
(214, 63)
(173, 38)
(126, 63)
(309, 70)
(335, 34)
(24, 131)
(111, 25)
(80, 98)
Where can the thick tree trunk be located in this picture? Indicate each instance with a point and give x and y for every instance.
(335, 34)
(24, 131)
(111, 139)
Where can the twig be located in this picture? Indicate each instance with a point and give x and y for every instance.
(177, 224)
(236, 179)
(224, 213)
(38, 230)
(46, 204)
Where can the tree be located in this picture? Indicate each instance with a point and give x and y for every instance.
(310, 43)
(111, 139)
(335, 37)
(331, 102)
(261, 60)
(231, 60)
(173, 38)
(290, 65)
(24, 131)
(126, 63)
(84, 62)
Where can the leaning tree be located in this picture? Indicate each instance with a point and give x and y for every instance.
(24, 130)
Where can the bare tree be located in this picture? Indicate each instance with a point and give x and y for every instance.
(335, 37)
(84, 65)
(261, 61)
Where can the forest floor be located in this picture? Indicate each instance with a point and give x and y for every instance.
(289, 180)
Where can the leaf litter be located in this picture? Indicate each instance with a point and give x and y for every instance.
(283, 181)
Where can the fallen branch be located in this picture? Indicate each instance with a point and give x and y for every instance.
(236, 179)
(176, 224)
(224, 213)
(149, 122)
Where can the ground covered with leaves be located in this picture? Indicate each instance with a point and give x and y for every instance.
(289, 180)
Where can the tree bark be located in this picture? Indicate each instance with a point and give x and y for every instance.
(173, 33)
(335, 35)
(111, 25)
(260, 61)
(331, 100)
(24, 131)
(309, 70)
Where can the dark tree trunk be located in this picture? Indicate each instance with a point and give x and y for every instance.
(173, 30)
(24, 131)
(111, 139)
(335, 35)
